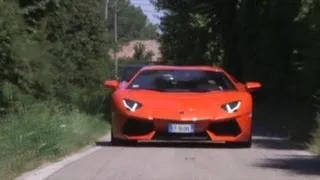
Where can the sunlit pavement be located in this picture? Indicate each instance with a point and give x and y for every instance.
(270, 158)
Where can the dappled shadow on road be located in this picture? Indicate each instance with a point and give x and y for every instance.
(172, 145)
(299, 164)
(261, 139)
(266, 138)
(276, 143)
(258, 142)
(260, 129)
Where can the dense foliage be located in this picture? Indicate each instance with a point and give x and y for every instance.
(274, 42)
(53, 60)
(58, 49)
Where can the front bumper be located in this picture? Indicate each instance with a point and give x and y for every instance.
(237, 129)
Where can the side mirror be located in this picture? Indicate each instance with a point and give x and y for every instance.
(113, 84)
(253, 86)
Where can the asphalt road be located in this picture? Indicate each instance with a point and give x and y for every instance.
(268, 159)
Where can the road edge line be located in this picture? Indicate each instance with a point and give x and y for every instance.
(45, 171)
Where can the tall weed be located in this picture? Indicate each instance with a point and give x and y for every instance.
(43, 132)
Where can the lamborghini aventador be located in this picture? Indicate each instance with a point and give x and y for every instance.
(182, 103)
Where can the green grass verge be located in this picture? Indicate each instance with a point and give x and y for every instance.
(314, 146)
(295, 121)
(291, 120)
(44, 133)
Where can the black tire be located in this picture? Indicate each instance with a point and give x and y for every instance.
(120, 142)
(115, 141)
(243, 144)
(246, 144)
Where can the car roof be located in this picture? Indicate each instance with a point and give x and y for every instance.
(173, 67)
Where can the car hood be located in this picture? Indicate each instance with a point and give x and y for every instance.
(184, 105)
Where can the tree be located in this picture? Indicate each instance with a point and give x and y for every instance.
(186, 36)
(274, 42)
(249, 37)
(132, 23)
(58, 49)
(52, 50)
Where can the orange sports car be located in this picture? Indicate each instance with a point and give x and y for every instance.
(182, 103)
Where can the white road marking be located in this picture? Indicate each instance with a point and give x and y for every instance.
(44, 172)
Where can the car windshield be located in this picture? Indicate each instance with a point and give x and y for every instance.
(182, 81)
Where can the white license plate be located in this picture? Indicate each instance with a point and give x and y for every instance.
(181, 128)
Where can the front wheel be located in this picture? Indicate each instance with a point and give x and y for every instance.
(115, 141)
(246, 144)
(120, 142)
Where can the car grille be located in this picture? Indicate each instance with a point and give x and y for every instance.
(181, 137)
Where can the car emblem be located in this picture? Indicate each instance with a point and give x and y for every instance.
(181, 112)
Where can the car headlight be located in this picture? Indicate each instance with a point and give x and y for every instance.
(131, 105)
(232, 106)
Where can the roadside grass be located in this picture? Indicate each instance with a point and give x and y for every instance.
(287, 119)
(42, 133)
(296, 121)
(314, 146)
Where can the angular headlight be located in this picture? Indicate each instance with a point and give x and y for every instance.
(131, 105)
(232, 106)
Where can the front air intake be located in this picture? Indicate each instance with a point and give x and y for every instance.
(201, 136)
(225, 128)
(136, 127)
